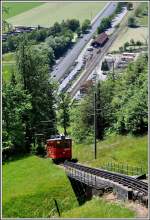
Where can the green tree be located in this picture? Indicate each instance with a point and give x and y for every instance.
(60, 44)
(132, 42)
(131, 98)
(73, 24)
(121, 49)
(86, 25)
(105, 24)
(46, 51)
(82, 118)
(138, 11)
(11, 43)
(41, 35)
(105, 112)
(64, 111)
(79, 32)
(34, 75)
(119, 7)
(16, 104)
(139, 43)
(126, 45)
(104, 66)
(131, 22)
(6, 26)
(122, 105)
(55, 29)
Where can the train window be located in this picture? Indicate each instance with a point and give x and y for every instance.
(64, 144)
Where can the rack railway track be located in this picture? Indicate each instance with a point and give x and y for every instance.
(138, 188)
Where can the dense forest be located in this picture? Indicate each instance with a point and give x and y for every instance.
(121, 104)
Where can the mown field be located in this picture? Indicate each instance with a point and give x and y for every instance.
(138, 34)
(47, 14)
(15, 8)
(31, 183)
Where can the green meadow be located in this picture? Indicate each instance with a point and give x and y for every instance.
(31, 184)
(49, 13)
(15, 8)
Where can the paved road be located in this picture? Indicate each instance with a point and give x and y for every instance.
(73, 54)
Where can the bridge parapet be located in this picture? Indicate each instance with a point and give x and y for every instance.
(99, 180)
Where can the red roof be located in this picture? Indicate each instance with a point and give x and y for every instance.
(101, 38)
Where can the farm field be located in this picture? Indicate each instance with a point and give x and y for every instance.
(139, 33)
(15, 8)
(47, 14)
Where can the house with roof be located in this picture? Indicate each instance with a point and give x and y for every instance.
(100, 40)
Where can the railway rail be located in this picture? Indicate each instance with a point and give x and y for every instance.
(138, 189)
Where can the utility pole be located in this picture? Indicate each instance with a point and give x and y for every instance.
(113, 70)
(95, 127)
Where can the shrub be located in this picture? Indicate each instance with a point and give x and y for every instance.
(131, 22)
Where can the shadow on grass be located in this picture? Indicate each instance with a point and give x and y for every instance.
(16, 157)
(39, 205)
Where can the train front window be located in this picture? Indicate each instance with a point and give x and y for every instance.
(63, 144)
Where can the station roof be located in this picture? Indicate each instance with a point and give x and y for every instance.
(101, 38)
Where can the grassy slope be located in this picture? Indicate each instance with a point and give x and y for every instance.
(29, 186)
(123, 149)
(15, 8)
(48, 13)
(99, 208)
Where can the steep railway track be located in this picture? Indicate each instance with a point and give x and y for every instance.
(139, 188)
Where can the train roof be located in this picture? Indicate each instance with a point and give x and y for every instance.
(59, 138)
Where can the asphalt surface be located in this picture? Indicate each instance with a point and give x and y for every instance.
(70, 57)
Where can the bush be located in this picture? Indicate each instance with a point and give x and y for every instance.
(86, 25)
(105, 24)
(38, 149)
(138, 12)
(7, 153)
(131, 22)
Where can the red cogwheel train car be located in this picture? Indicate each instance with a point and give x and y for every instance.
(59, 148)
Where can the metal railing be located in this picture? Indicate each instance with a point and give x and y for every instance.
(124, 168)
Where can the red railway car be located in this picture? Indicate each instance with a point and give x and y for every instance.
(59, 148)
